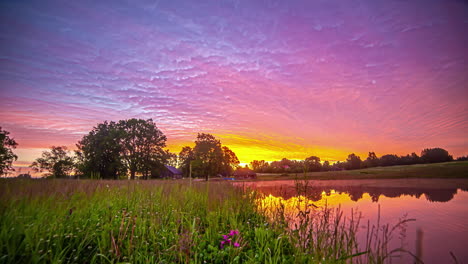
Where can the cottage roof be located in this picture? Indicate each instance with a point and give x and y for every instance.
(173, 170)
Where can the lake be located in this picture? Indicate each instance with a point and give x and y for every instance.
(439, 207)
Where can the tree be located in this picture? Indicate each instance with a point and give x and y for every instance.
(57, 162)
(433, 155)
(312, 163)
(171, 158)
(142, 145)
(208, 155)
(185, 158)
(353, 162)
(259, 165)
(371, 161)
(99, 152)
(389, 160)
(326, 166)
(7, 156)
(230, 161)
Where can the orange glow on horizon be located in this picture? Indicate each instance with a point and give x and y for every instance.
(249, 148)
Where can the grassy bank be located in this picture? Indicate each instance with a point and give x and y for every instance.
(78, 221)
(456, 169)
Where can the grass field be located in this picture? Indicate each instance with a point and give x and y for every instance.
(457, 169)
(86, 221)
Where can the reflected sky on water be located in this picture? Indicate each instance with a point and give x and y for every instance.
(440, 207)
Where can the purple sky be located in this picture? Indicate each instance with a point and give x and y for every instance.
(271, 79)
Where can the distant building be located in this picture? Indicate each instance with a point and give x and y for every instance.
(244, 173)
(171, 172)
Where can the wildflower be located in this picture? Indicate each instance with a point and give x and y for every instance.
(230, 239)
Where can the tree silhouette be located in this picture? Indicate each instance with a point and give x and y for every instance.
(142, 145)
(432, 155)
(208, 156)
(7, 156)
(353, 162)
(57, 162)
(99, 152)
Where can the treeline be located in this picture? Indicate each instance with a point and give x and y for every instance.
(136, 148)
(132, 149)
(353, 162)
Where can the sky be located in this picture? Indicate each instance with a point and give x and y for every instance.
(270, 79)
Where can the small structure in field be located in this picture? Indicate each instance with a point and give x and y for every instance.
(171, 172)
(244, 173)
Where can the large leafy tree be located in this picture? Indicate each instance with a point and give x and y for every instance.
(185, 158)
(230, 161)
(142, 146)
(208, 156)
(130, 146)
(58, 162)
(7, 156)
(99, 152)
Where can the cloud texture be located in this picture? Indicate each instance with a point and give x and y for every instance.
(271, 79)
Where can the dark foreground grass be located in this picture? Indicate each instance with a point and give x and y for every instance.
(76, 221)
(455, 169)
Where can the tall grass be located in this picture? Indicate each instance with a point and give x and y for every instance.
(70, 221)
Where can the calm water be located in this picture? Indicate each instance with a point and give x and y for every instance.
(440, 207)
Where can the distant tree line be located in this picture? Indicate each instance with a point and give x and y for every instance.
(353, 162)
(135, 148)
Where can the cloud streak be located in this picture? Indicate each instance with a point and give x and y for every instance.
(270, 78)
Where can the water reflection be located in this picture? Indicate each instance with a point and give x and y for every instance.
(438, 205)
(316, 192)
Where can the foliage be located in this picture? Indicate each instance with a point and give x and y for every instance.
(207, 158)
(312, 163)
(371, 161)
(433, 155)
(208, 154)
(142, 146)
(185, 158)
(229, 161)
(113, 149)
(353, 162)
(99, 152)
(259, 165)
(7, 156)
(57, 162)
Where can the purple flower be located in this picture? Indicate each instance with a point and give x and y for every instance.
(236, 244)
(234, 232)
(225, 237)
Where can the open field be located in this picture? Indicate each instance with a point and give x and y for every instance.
(456, 169)
(86, 221)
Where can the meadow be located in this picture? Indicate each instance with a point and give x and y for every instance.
(161, 221)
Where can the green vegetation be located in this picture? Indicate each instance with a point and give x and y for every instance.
(7, 156)
(85, 221)
(454, 169)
